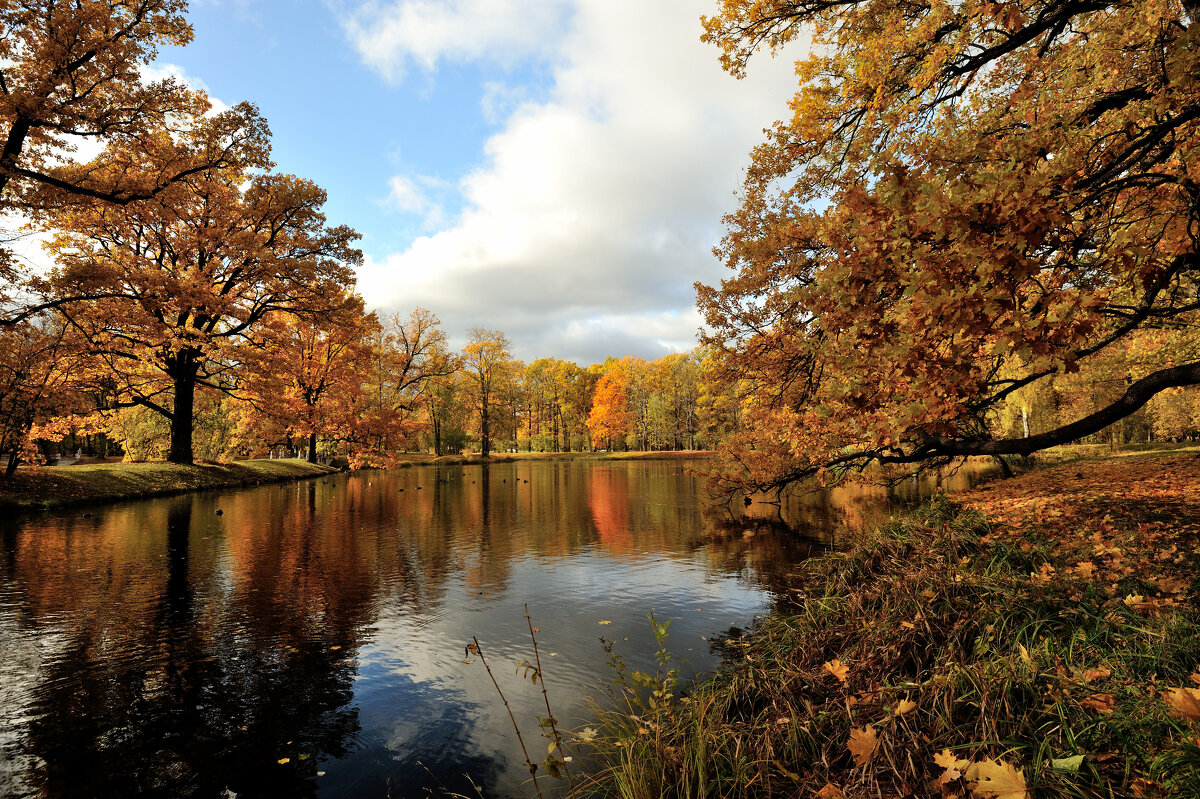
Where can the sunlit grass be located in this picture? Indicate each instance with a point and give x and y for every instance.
(100, 482)
(1060, 679)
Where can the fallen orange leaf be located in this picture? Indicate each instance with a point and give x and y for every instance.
(837, 669)
(862, 745)
(1103, 704)
(1184, 702)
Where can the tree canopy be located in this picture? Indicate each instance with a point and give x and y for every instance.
(966, 199)
(179, 281)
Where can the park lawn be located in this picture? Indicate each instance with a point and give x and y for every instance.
(49, 487)
(1035, 637)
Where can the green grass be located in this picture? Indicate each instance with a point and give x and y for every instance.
(926, 610)
(57, 486)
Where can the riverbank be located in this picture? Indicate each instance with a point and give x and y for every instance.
(1039, 636)
(86, 484)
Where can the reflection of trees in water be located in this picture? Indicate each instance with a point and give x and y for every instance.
(184, 700)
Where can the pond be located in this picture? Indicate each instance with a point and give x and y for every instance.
(309, 639)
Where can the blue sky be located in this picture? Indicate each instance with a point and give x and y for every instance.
(555, 169)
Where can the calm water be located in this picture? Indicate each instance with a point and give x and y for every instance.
(183, 647)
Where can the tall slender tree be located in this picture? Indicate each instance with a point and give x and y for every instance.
(484, 359)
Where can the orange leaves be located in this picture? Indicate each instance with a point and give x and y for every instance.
(941, 271)
(1184, 702)
(837, 669)
(1104, 704)
(862, 745)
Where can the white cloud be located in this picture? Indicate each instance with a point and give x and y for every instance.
(593, 210)
(412, 196)
(390, 35)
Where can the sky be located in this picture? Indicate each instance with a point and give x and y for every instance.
(553, 169)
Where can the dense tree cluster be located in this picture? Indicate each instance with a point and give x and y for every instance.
(969, 205)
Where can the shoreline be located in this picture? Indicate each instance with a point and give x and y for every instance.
(52, 487)
(1035, 636)
(42, 488)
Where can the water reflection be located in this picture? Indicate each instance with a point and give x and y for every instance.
(307, 640)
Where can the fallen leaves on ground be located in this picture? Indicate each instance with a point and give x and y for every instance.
(862, 745)
(1130, 520)
(838, 669)
(995, 779)
(1184, 702)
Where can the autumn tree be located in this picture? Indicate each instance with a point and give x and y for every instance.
(408, 354)
(966, 198)
(440, 392)
(308, 369)
(610, 419)
(180, 281)
(485, 358)
(40, 370)
(71, 72)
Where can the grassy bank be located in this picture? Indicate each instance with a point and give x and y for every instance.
(59, 486)
(1029, 640)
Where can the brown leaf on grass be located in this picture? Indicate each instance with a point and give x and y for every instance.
(953, 766)
(1086, 569)
(837, 669)
(905, 706)
(830, 791)
(1184, 702)
(1095, 674)
(995, 779)
(1103, 704)
(1143, 787)
(1195, 678)
(862, 745)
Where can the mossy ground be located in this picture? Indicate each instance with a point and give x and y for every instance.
(1035, 625)
(56, 486)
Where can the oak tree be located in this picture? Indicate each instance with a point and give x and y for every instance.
(71, 72)
(966, 198)
(183, 279)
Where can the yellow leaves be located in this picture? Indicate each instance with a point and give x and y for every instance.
(995, 779)
(837, 669)
(604, 621)
(905, 706)
(952, 766)
(862, 745)
(1184, 702)
(986, 779)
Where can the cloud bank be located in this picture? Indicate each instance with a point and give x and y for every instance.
(595, 207)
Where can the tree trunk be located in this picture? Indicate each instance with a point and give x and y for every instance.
(485, 445)
(181, 417)
(312, 447)
(14, 459)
